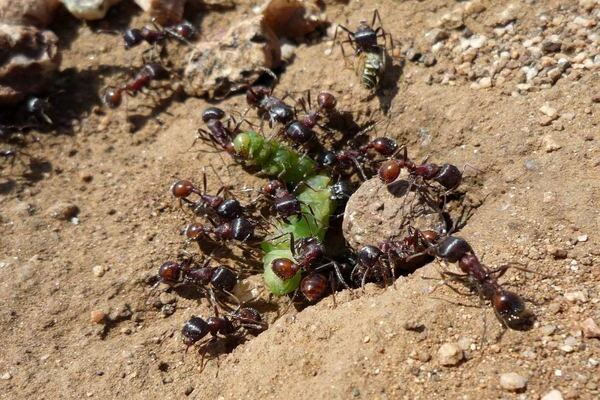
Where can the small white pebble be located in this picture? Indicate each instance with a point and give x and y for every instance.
(450, 354)
(512, 381)
(553, 395)
(5, 376)
(582, 238)
(98, 270)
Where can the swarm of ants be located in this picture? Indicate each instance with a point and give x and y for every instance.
(293, 141)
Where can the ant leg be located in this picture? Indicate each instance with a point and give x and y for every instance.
(333, 288)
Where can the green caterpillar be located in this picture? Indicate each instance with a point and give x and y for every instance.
(273, 158)
(278, 160)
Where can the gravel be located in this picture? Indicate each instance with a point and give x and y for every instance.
(450, 354)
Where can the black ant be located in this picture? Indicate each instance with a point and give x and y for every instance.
(113, 97)
(508, 307)
(205, 277)
(225, 209)
(240, 229)
(217, 132)
(343, 161)
(234, 326)
(371, 56)
(447, 175)
(182, 31)
(268, 106)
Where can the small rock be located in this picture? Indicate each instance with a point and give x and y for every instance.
(549, 47)
(98, 271)
(165, 11)
(30, 58)
(288, 50)
(553, 395)
(188, 390)
(577, 296)
(450, 354)
(366, 339)
(550, 144)
(28, 12)
(549, 111)
(556, 252)
(5, 376)
(465, 343)
(512, 381)
(590, 329)
(508, 15)
(485, 82)
(98, 317)
(436, 35)
(548, 330)
(89, 9)
(582, 238)
(234, 61)
(63, 211)
(428, 59)
(596, 98)
(292, 18)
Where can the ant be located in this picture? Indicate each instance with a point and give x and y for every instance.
(306, 251)
(371, 56)
(508, 307)
(225, 209)
(342, 161)
(239, 323)
(113, 97)
(384, 146)
(286, 204)
(217, 133)
(447, 175)
(240, 229)
(182, 31)
(205, 277)
(268, 106)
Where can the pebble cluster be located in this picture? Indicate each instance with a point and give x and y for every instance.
(496, 48)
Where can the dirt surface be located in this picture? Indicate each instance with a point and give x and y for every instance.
(536, 174)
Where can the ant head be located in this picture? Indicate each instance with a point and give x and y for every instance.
(510, 309)
(273, 186)
(193, 330)
(169, 272)
(369, 255)
(255, 94)
(183, 188)
(284, 268)
(185, 29)
(112, 97)
(326, 101)
(193, 231)
(389, 171)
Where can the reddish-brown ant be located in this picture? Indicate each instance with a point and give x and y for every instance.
(508, 307)
(447, 175)
(113, 97)
(224, 209)
(217, 132)
(182, 31)
(234, 326)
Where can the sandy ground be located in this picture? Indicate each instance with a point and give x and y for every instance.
(537, 178)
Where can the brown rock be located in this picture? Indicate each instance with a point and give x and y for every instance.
(376, 212)
(29, 60)
(165, 11)
(63, 211)
(590, 329)
(28, 12)
(234, 61)
(97, 317)
(292, 18)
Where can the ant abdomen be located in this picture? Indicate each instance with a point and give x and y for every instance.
(449, 176)
(511, 310)
(169, 272)
(211, 113)
(193, 330)
(230, 209)
(224, 279)
(452, 249)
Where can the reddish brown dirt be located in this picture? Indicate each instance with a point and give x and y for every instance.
(534, 202)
